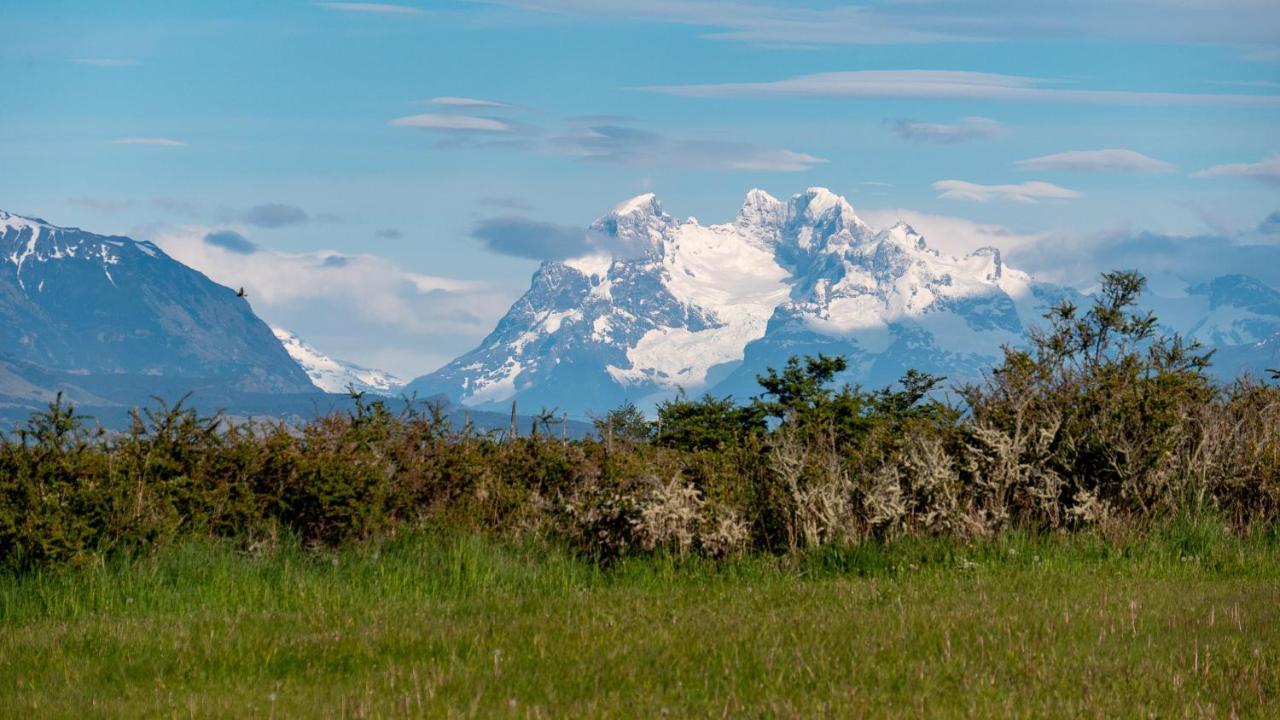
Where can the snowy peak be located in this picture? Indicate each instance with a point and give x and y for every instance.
(646, 204)
(634, 227)
(816, 203)
(336, 376)
(17, 222)
(762, 210)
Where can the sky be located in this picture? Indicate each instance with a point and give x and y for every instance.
(383, 178)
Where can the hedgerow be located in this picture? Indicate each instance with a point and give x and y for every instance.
(1099, 422)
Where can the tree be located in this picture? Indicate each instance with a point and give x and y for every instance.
(707, 424)
(624, 423)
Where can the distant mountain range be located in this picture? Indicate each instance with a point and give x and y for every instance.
(662, 305)
(667, 305)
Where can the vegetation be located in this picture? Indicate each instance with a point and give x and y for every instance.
(1180, 621)
(1099, 423)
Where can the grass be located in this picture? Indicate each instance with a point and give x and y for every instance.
(1183, 622)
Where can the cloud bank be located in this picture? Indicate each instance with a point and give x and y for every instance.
(409, 321)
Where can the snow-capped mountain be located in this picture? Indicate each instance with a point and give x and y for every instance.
(92, 306)
(665, 304)
(336, 376)
(682, 305)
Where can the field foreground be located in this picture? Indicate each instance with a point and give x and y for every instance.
(1182, 624)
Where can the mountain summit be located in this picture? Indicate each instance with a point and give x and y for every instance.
(672, 305)
(95, 306)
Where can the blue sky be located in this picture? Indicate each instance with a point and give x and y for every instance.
(309, 132)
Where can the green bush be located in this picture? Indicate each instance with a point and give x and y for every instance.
(1099, 422)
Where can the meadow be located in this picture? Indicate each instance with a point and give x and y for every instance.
(1181, 622)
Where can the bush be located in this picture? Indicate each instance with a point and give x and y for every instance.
(1099, 422)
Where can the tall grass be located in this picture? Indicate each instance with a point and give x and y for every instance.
(1181, 620)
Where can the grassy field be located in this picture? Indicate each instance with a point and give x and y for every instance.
(1182, 623)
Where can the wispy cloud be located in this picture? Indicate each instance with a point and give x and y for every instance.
(785, 23)
(107, 62)
(620, 145)
(460, 123)
(159, 142)
(970, 128)
(449, 101)
(1028, 192)
(1117, 160)
(948, 84)
(372, 8)
(389, 233)
(609, 143)
(1267, 171)
(101, 204)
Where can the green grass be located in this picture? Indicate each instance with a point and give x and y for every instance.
(1185, 622)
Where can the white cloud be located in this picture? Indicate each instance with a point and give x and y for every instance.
(1028, 192)
(1267, 171)
(461, 123)
(373, 8)
(1096, 161)
(970, 128)
(952, 235)
(363, 290)
(160, 142)
(467, 102)
(948, 84)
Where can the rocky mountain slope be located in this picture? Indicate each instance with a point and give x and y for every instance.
(89, 306)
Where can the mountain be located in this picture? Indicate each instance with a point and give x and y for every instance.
(669, 304)
(122, 316)
(337, 376)
(664, 305)
(1235, 315)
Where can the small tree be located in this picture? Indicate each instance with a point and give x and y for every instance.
(707, 424)
(624, 423)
